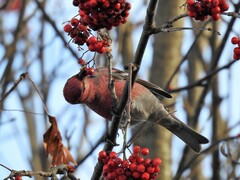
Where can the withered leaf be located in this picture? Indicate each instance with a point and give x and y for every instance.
(52, 141)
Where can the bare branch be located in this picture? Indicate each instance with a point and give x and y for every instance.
(21, 77)
(201, 81)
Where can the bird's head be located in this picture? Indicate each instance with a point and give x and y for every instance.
(75, 87)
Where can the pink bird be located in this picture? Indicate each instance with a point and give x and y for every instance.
(93, 91)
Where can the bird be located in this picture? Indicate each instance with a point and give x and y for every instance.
(93, 91)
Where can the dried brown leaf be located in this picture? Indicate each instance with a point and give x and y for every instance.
(52, 141)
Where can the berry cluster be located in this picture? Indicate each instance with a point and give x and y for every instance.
(236, 51)
(136, 167)
(98, 14)
(96, 45)
(95, 15)
(81, 35)
(201, 9)
(77, 31)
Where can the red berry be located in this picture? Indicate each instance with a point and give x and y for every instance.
(81, 61)
(224, 7)
(122, 177)
(79, 40)
(118, 160)
(106, 4)
(125, 164)
(145, 176)
(141, 168)
(133, 158)
(236, 57)
(91, 47)
(74, 22)
(93, 3)
(157, 169)
(67, 28)
(128, 6)
(113, 155)
(190, 2)
(18, 177)
(136, 149)
(120, 171)
(112, 175)
(90, 71)
(150, 170)
(237, 51)
(140, 160)
(198, 7)
(117, 6)
(82, 13)
(215, 17)
(136, 175)
(105, 168)
(82, 27)
(92, 40)
(75, 2)
(72, 34)
(111, 164)
(216, 10)
(192, 14)
(147, 162)
(98, 46)
(222, 1)
(102, 154)
(145, 151)
(154, 176)
(214, 3)
(235, 40)
(157, 162)
(132, 167)
(103, 50)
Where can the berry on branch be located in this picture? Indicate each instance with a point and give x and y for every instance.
(236, 50)
(201, 9)
(136, 167)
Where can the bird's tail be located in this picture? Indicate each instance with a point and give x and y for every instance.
(184, 132)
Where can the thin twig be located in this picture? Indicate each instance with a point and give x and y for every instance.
(200, 82)
(170, 22)
(39, 94)
(52, 172)
(233, 14)
(184, 58)
(21, 77)
(158, 30)
(23, 111)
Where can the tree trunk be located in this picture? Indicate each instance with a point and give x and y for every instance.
(166, 55)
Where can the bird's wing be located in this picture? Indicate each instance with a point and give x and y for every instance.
(156, 90)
